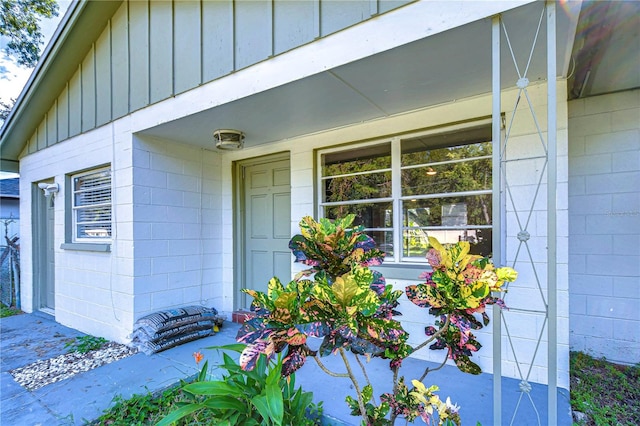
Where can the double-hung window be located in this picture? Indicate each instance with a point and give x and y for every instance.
(406, 188)
(91, 205)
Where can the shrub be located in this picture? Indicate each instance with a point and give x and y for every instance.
(349, 306)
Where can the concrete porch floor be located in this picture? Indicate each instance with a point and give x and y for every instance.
(82, 398)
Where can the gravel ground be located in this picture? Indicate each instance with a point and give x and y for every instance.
(47, 371)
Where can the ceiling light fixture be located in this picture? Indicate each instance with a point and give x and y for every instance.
(228, 139)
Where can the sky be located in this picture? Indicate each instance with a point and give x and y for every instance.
(13, 77)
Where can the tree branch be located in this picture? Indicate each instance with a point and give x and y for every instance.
(363, 410)
(437, 333)
(429, 370)
(326, 370)
(366, 376)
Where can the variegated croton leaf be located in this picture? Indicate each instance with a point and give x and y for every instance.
(250, 355)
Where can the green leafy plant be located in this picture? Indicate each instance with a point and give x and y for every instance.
(347, 305)
(262, 396)
(606, 393)
(84, 344)
(459, 286)
(8, 311)
(144, 409)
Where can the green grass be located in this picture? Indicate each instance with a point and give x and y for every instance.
(609, 394)
(7, 312)
(147, 409)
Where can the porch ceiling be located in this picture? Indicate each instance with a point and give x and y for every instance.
(439, 69)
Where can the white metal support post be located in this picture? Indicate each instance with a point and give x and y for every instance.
(542, 161)
(497, 212)
(552, 183)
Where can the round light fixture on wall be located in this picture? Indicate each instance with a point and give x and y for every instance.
(228, 139)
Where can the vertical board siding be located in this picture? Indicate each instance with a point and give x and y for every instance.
(88, 79)
(52, 125)
(103, 77)
(387, 5)
(138, 54)
(75, 104)
(253, 32)
(63, 114)
(33, 143)
(217, 39)
(339, 14)
(151, 50)
(187, 42)
(294, 24)
(42, 135)
(120, 62)
(160, 51)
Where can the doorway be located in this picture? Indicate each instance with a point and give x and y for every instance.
(264, 224)
(44, 255)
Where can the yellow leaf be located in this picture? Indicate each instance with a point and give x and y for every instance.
(420, 387)
(465, 246)
(433, 242)
(419, 397)
(506, 274)
(252, 293)
(284, 300)
(465, 261)
(274, 286)
(344, 289)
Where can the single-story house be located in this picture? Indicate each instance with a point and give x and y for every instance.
(9, 208)
(168, 149)
(10, 199)
(9, 235)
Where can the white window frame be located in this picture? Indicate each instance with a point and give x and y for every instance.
(396, 197)
(75, 208)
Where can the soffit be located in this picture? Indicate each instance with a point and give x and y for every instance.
(435, 70)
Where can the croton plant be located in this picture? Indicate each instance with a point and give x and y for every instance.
(341, 301)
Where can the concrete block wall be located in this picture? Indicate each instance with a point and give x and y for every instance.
(94, 290)
(604, 224)
(525, 328)
(177, 226)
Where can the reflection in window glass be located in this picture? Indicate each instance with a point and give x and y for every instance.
(358, 187)
(444, 190)
(369, 215)
(415, 241)
(384, 240)
(458, 176)
(470, 210)
(357, 160)
(434, 148)
(357, 174)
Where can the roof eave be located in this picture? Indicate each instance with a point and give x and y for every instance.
(73, 38)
